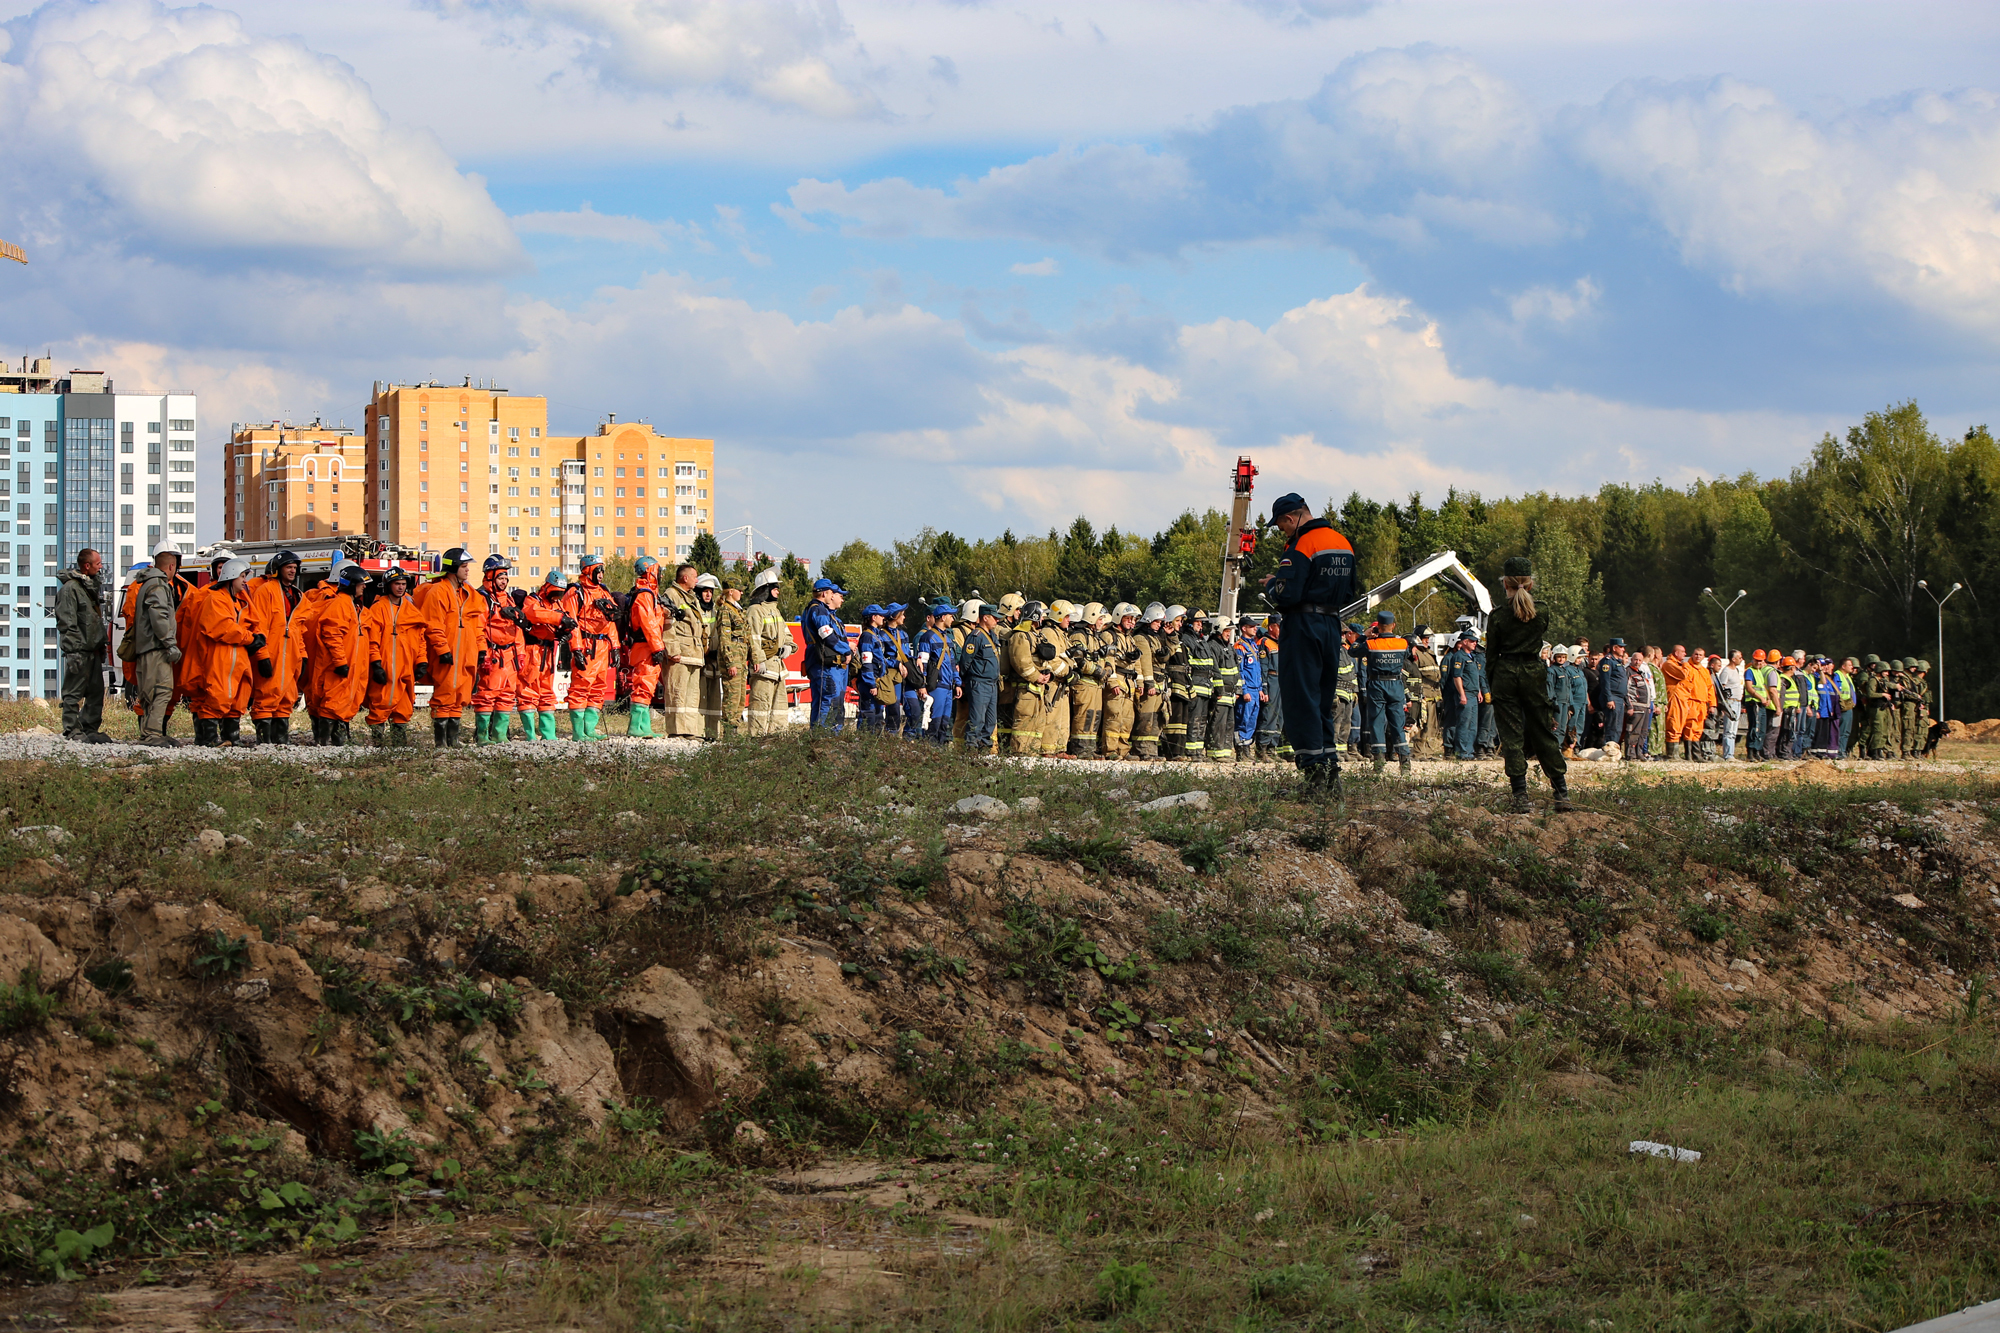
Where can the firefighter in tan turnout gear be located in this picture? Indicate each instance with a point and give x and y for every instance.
(770, 643)
(1025, 659)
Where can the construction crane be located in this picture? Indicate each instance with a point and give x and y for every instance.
(1444, 566)
(1241, 542)
(9, 250)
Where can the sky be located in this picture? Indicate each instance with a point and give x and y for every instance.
(978, 265)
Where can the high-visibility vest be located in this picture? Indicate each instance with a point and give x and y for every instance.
(1845, 686)
(1791, 687)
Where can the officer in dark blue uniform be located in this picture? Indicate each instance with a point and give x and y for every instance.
(827, 654)
(1314, 580)
(1384, 655)
(867, 664)
(1462, 688)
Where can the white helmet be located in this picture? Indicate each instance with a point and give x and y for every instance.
(970, 611)
(1174, 613)
(708, 581)
(235, 567)
(165, 548)
(765, 576)
(1060, 611)
(1154, 611)
(1093, 612)
(1123, 609)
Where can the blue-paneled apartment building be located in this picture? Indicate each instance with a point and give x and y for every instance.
(80, 465)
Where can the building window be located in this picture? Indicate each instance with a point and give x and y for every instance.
(124, 520)
(125, 437)
(181, 424)
(124, 478)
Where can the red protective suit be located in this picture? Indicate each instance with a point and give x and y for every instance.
(215, 653)
(544, 616)
(333, 640)
(593, 682)
(453, 624)
(499, 687)
(395, 636)
(649, 635)
(273, 611)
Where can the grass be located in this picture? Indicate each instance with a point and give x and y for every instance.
(1380, 1182)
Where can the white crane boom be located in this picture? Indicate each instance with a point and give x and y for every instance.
(1444, 565)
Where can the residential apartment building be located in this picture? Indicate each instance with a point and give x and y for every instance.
(284, 482)
(70, 477)
(473, 465)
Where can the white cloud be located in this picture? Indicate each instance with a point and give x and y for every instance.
(1903, 196)
(1555, 305)
(587, 224)
(780, 52)
(1041, 268)
(135, 129)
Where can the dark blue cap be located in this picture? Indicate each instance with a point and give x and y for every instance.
(1286, 503)
(827, 585)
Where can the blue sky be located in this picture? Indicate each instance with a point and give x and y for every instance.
(979, 265)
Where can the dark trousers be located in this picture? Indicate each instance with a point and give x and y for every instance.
(1614, 722)
(982, 713)
(82, 693)
(1488, 735)
(1753, 727)
(1385, 717)
(1526, 720)
(829, 696)
(1308, 678)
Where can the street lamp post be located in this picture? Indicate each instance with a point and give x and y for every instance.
(1710, 594)
(1940, 615)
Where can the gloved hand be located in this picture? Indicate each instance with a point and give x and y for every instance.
(341, 671)
(444, 659)
(512, 613)
(607, 606)
(266, 667)
(423, 671)
(660, 657)
(256, 642)
(680, 613)
(480, 665)
(378, 673)
(567, 627)
(173, 657)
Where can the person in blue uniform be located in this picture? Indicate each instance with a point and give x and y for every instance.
(1461, 699)
(1384, 656)
(1250, 688)
(1486, 740)
(937, 668)
(905, 716)
(1313, 581)
(827, 654)
(867, 663)
(1557, 676)
(981, 668)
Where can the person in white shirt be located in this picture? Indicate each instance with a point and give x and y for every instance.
(1729, 697)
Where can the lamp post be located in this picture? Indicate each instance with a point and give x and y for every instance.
(1740, 595)
(1940, 615)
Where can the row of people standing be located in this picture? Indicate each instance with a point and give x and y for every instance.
(1022, 677)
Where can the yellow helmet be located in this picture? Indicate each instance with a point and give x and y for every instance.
(1013, 601)
(1061, 611)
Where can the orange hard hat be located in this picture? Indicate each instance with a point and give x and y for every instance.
(1787, 662)
(1757, 656)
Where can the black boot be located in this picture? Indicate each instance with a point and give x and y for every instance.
(207, 732)
(399, 735)
(378, 735)
(232, 735)
(1403, 761)
(1521, 806)
(341, 734)
(438, 732)
(281, 731)
(451, 732)
(1561, 786)
(262, 726)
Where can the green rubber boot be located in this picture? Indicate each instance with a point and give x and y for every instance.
(640, 722)
(548, 719)
(499, 729)
(482, 728)
(527, 724)
(579, 725)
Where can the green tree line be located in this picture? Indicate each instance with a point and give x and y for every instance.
(1830, 557)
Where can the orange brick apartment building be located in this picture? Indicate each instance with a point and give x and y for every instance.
(437, 466)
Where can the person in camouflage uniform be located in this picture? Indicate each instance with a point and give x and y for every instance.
(729, 658)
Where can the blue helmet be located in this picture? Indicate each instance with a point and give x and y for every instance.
(644, 564)
(556, 579)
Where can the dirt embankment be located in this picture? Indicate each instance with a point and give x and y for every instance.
(381, 1023)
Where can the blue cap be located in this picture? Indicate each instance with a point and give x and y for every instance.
(827, 585)
(1286, 503)
(1385, 617)
(871, 610)
(944, 609)
(893, 607)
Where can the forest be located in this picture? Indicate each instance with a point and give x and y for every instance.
(1831, 558)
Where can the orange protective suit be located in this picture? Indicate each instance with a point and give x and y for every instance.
(1690, 694)
(544, 617)
(649, 635)
(592, 680)
(333, 640)
(273, 612)
(395, 635)
(215, 653)
(453, 625)
(499, 686)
